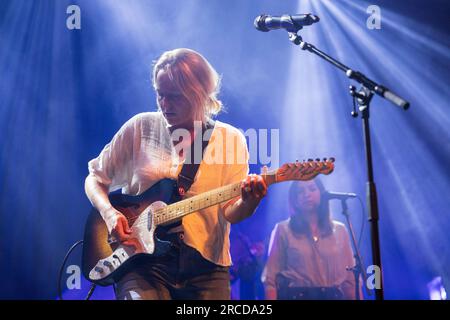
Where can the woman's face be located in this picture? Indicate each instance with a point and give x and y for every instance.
(308, 197)
(173, 104)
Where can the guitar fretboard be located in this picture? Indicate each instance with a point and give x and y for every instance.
(293, 171)
(175, 211)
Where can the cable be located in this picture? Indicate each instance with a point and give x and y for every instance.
(91, 290)
(361, 234)
(61, 270)
(363, 221)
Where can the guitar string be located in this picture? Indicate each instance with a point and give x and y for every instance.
(158, 214)
(175, 216)
(161, 218)
(203, 199)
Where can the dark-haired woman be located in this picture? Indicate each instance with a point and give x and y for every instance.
(309, 253)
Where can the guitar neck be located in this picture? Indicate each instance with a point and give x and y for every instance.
(177, 210)
(305, 170)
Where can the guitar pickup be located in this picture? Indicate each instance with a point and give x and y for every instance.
(108, 264)
(99, 269)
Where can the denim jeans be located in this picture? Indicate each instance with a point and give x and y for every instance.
(182, 274)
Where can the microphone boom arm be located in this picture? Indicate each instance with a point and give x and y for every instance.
(363, 97)
(379, 89)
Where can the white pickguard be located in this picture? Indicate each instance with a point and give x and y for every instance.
(143, 230)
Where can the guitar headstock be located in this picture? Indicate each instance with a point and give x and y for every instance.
(305, 170)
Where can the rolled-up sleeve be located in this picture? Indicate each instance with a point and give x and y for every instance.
(240, 157)
(113, 167)
(276, 259)
(238, 170)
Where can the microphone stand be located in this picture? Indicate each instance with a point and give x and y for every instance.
(363, 96)
(358, 269)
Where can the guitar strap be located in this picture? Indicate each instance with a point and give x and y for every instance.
(189, 170)
(186, 177)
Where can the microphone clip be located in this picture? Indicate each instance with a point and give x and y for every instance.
(362, 97)
(296, 38)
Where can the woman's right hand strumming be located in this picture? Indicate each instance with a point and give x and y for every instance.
(120, 230)
(116, 222)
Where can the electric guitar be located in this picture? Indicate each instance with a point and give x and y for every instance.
(104, 260)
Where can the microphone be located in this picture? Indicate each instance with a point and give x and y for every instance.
(291, 23)
(339, 195)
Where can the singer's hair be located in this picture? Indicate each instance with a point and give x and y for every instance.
(194, 76)
(297, 220)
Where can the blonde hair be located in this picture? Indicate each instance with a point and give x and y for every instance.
(194, 76)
